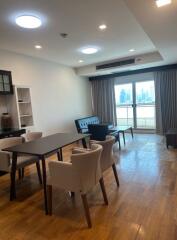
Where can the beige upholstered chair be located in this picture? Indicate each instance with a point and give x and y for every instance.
(107, 158)
(28, 137)
(22, 160)
(80, 175)
(31, 136)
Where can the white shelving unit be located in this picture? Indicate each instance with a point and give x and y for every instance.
(24, 107)
(20, 107)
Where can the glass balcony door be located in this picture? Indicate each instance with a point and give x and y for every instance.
(124, 104)
(135, 104)
(145, 105)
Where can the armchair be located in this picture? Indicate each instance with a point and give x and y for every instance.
(6, 157)
(107, 158)
(80, 175)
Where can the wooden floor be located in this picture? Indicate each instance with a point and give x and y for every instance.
(144, 207)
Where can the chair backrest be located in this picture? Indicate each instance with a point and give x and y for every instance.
(31, 136)
(5, 156)
(87, 167)
(10, 142)
(82, 123)
(98, 131)
(107, 157)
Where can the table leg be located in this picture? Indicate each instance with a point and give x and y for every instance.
(60, 155)
(44, 184)
(117, 137)
(12, 175)
(131, 129)
(123, 133)
(119, 140)
(84, 143)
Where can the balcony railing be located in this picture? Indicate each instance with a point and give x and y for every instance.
(145, 116)
(148, 123)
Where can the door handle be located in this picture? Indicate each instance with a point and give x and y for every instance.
(134, 105)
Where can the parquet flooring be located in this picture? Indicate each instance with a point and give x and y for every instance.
(143, 208)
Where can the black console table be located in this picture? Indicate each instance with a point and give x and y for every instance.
(14, 132)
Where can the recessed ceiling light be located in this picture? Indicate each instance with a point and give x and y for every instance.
(28, 21)
(89, 50)
(161, 3)
(81, 61)
(132, 50)
(38, 46)
(102, 27)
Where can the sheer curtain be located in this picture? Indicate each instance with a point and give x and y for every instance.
(166, 100)
(103, 99)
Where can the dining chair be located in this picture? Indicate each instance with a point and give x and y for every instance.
(22, 160)
(107, 157)
(31, 136)
(98, 131)
(79, 175)
(28, 137)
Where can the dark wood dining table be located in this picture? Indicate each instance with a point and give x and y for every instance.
(41, 148)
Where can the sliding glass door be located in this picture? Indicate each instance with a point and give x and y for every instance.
(124, 104)
(145, 105)
(135, 104)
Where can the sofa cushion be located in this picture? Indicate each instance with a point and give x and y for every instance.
(82, 124)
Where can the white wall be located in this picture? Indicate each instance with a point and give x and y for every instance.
(59, 96)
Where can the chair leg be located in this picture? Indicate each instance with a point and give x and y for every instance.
(86, 209)
(72, 194)
(19, 174)
(131, 129)
(23, 172)
(103, 191)
(115, 174)
(39, 172)
(49, 195)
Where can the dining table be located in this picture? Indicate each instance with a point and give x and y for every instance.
(42, 148)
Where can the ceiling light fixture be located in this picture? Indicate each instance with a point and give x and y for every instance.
(27, 21)
(81, 61)
(38, 46)
(132, 50)
(89, 50)
(161, 3)
(102, 27)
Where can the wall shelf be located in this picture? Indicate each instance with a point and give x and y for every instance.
(26, 115)
(24, 102)
(24, 106)
(21, 107)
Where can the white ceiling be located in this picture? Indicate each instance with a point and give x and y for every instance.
(160, 24)
(135, 24)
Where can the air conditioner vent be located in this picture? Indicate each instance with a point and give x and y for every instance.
(115, 64)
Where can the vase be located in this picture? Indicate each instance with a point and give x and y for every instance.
(6, 121)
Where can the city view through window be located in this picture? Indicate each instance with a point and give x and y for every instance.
(135, 103)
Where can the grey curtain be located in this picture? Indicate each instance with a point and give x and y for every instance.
(166, 100)
(103, 99)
